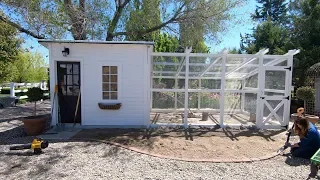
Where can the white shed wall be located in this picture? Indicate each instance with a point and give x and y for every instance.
(133, 63)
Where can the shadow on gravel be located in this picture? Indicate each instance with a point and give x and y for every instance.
(294, 161)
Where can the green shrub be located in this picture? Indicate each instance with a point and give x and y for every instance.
(21, 101)
(35, 94)
(306, 93)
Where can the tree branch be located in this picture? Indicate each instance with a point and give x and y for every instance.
(115, 19)
(20, 28)
(77, 17)
(173, 19)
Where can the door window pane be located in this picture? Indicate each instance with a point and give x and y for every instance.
(69, 80)
(76, 80)
(69, 68)
(76, 69)
(76, 90)
(69, 90)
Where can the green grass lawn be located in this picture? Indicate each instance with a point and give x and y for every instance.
(4, 95)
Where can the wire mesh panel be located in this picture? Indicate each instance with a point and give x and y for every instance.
(167, 90)
(275, 80)
(252, 81)
(273, 112)
(242, 90)
(205, 107)
(275, 97)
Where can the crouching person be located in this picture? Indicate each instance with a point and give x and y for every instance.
(309, 139)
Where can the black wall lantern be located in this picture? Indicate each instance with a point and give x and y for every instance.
(65, 52)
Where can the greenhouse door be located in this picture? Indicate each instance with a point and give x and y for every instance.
(274, 111)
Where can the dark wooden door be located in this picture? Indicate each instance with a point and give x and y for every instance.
(69, 91)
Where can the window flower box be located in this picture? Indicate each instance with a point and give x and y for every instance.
(109, 106)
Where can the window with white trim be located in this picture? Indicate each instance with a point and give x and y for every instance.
(110, 82)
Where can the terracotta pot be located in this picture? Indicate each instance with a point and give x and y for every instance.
(35, 125)
(313, 119)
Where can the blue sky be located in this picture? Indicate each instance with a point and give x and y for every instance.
(229, 39)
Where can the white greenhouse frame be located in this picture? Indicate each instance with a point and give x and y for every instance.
(259, 63)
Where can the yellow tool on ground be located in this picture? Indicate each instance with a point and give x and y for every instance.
(37, 145)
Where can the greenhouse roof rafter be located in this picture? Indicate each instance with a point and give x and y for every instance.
(261, 52)
(225, 51)
(274, 62)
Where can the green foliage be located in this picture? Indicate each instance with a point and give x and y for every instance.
(22, 101)
(96, 19)
(31, 67)
(306, 37)
(35, 94)
(192, 33)
(266, 35)
(9, 49)
(166, 43)
(146, 14)
(234, 51)
(306, 93)
(274, 10)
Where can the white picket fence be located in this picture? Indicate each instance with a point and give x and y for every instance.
(25, 86)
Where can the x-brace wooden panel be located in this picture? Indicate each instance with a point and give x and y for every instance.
(273, 112)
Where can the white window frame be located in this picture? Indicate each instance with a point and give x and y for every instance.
(119, 69)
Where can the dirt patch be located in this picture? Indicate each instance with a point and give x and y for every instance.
(195, 144)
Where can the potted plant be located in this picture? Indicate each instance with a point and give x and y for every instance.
(307, 93)
(36, 124)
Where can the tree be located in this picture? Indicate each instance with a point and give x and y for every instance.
(271, 31)
(146, 14)
(166, 43)
(31, 67)
(274, 10)
(96, 19)
(9, 49)
(266, 35)
(192, 31)
(305, 36)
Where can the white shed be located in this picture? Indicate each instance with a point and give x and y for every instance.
(104, 83)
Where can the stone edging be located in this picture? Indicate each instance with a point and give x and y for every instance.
(272, 155)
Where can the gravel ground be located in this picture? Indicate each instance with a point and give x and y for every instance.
(93, 160)
(96, 160)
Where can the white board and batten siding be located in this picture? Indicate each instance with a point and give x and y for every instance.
(133, 62)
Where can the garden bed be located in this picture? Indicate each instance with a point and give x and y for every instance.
(199, 144)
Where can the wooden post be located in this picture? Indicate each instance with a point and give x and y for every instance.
(261, 87)
(199, 95)
(243, 96)
(12, 93)
(186, 89)
(175, 94)
(223, 84)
